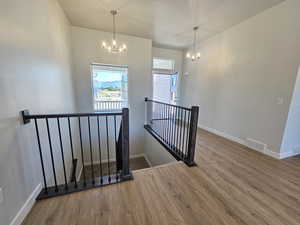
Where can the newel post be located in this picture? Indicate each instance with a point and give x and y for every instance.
(192, 136)
(126, 173)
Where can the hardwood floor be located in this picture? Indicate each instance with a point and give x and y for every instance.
(232, 185)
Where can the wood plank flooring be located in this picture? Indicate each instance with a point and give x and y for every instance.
(232, 185)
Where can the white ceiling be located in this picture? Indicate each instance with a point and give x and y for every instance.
(167, 22)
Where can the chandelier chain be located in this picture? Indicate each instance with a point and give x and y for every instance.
(114, 26)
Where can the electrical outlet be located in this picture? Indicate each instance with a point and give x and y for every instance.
(1, 195)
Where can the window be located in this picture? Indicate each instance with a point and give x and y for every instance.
(110, 90)
(164, 80)
(164, 64)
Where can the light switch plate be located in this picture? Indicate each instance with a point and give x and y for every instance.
(1, 195)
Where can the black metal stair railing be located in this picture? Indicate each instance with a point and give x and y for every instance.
(102, 156)
(175, 127)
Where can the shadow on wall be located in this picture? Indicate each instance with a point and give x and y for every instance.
(291, 137)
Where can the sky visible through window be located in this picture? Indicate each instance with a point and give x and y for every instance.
(107, 76)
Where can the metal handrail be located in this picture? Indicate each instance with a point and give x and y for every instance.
(168, 104)
(173, 126)
(27, 117)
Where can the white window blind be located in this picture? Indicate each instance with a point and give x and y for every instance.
(163, 66)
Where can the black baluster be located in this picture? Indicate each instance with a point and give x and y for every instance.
(91, 150)
(161, 120)
(41, 155)
(183, 132)
(165, 123)
(81, 148)
(184, 137)
(115, 127)
(169, 125)
(152, 114)
(62, 153)
(177, 129)
(155, 115)
(107, 147)
(51, 153)
(72, 150)
(180, 124)
(173, 128)
(188, 131)
(99, 148)
(157, 118)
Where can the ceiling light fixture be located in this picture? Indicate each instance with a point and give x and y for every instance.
(194, 55)
(114, 47)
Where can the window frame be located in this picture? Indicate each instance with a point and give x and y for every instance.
(92, 85)
(167, 72)
(163, 71)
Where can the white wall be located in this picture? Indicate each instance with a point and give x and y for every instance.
(35, 74)
(243, 73)
(176, 55)
(87, 49)
(156, 154)
(291, 138)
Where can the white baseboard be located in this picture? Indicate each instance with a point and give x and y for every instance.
(265, 151)
(294, 152)
(147, 160)
(25, 209)
(284, 155)
(224, 135)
